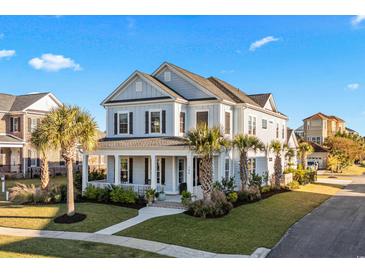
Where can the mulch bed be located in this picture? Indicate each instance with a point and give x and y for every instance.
(65, 219)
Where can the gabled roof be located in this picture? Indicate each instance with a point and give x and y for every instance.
(324, 116)
(202, 82)
(236, 94)
(317, 148)
(291, 134)
(9, 102)
(261, 99)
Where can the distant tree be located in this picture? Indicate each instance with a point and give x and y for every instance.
(304, 150)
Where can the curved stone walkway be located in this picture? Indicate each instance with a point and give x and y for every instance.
(151, 246)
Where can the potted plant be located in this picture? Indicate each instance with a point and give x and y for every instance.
(162, 195)
(150, 196)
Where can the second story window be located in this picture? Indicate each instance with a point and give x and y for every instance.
(167, 76)
(283, 132)
(123, 123)
(14, 124)
(277, 131)
(251, 125)
(32, 124)
(264, 124)
(139, 87)
(227, 123)
(202, 118)
(182, 122)
(155, 122)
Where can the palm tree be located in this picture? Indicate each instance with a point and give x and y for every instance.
(303, 150)
(66, 128)
(205, 142)
(278, 169)
(244, 143)
(290, 154)
(40, 141)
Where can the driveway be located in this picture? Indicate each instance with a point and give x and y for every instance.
(336, 229)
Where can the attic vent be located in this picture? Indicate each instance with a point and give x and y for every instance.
(139, 86)
(167, 76)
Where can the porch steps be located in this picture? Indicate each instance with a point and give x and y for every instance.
(168, 204)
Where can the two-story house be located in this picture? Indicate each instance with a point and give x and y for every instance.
(19, 116)
(320, 126)
(148, 116)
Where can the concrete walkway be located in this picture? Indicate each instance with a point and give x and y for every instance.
(144, 214)
(155, 247)
(333, 230)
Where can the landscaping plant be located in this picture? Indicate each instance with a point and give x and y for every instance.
(303, 150)
(186, 198)
(122, 195)
(278, 170)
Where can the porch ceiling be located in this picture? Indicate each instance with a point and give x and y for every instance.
(142, 143)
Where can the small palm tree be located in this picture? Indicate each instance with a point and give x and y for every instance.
(278, 169)
(303, 150)
(290, 154)
(40, 141)
(244, 143)
(66, 128)
(205, 142)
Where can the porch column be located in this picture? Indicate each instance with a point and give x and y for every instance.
(189, 173)
(173, 174)
(153, 172)
(116, 169)
(85, 171)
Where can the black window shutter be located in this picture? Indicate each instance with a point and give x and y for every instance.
(29, 124)
(146, 171)
(11, 124)
(38, 162)
(164, 121)
(131, 170)
(115, 123)
(163, 171)
(130, 122)
(182, 128)
(146, 122)
(29, 161)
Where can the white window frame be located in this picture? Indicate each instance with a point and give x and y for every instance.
(262, 123)
(17, 124)
(283, 131)
(227, 172)
(277, 131)
(230, 122)
(182, 133)
(120, 175)
(167, 76)
(183, 170)
(33, 124)
(150, 121)
(196, 113)
(254, 122)
(33, 157)
(139, 86)
(123, 112)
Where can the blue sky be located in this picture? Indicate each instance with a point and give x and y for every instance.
(309, 63)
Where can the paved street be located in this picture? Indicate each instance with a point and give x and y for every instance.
(335, 229)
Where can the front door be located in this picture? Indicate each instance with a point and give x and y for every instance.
(196, 171)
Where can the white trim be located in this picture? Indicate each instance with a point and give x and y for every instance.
(150, 122)
(230, 122)
(118, 124)
(138, 103)
(248, 123)
(185, 123)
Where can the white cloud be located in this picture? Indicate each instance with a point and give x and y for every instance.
(353, 86)
(52, 62)
(7, 53)
(357, 20)
(257, 44)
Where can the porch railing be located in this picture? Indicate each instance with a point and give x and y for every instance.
(140, 190)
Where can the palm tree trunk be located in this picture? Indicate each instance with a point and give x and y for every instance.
(304, 160)
(244, 176)
(70, 189)
(44, 172)
(278, 171)
(206, 176)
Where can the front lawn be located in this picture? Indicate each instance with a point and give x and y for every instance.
(246, 228)
(99, 216)
(21, 247)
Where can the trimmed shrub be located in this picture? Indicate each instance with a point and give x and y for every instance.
(217, 206)
(232, 197)
(97, 194)
(304, 177)
(293, 185)
(225, 185)
(186, 198)
(125, 196)
(266, 189)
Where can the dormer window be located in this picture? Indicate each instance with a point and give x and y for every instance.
(138, 86)
(167, 76)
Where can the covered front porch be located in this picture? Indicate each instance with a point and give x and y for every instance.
(169, 166)
(11, 155)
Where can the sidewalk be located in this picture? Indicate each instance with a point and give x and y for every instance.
(151, 246)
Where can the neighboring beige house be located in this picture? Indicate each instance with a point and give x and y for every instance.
(320, 126)
(19, 116)
(318, 157)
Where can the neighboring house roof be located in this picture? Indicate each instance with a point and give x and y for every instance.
(324, 116)
(236, 94)
(8, 138)
(301, 128)
(351, 131)
(9, 102)
(290, 134)
(261, 99)
(317, 147)
(140, 143)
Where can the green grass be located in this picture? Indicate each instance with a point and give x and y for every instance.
(21, 247)
(99, 216)
(246, 228)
